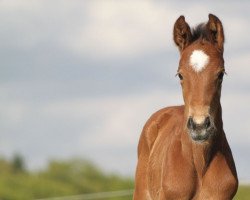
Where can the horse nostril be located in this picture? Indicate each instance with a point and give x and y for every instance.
(191, 124)
(207, 122)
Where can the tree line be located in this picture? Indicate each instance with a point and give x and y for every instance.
(59, 178)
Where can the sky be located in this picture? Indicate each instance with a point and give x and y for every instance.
(80, 78)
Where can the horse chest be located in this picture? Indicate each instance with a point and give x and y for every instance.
(179, 181)
(170, 174)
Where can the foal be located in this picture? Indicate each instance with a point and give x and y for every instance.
(183, 152)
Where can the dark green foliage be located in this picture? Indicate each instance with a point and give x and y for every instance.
(18, 163)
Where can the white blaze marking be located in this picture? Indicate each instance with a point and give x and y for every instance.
(198, 60)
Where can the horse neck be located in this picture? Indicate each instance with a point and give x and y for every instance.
(203, 153)
(201, 157)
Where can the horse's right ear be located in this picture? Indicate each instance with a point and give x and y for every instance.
(182, 33)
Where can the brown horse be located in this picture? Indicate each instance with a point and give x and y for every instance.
(183, 152)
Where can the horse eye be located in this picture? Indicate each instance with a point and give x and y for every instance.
(180, 76)
(220, 76)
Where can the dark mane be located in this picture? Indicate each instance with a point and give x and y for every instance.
(200, 32)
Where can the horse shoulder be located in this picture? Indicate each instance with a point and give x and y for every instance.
(155, 123)
(147, 139)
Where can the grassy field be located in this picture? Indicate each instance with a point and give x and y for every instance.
(243, 193)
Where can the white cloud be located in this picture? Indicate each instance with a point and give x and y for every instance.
(114, 118)
(15, 5)
(13, 112)
(237, 32)
(119, 28)
(238, 65)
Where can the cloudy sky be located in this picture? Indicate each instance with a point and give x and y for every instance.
(80, 78)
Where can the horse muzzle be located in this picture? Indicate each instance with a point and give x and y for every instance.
(201, 132)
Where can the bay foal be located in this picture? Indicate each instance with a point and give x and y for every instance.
(183, 152)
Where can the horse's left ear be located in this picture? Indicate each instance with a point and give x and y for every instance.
(215, 31)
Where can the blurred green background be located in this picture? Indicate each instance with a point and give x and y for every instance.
(59, 178)
(65, 178)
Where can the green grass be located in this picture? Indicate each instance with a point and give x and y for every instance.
(243, 193)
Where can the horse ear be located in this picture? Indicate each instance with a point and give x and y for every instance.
(182, 33)
(215, 31)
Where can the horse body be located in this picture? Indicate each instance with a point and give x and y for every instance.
(183, 152)
(174, 167)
